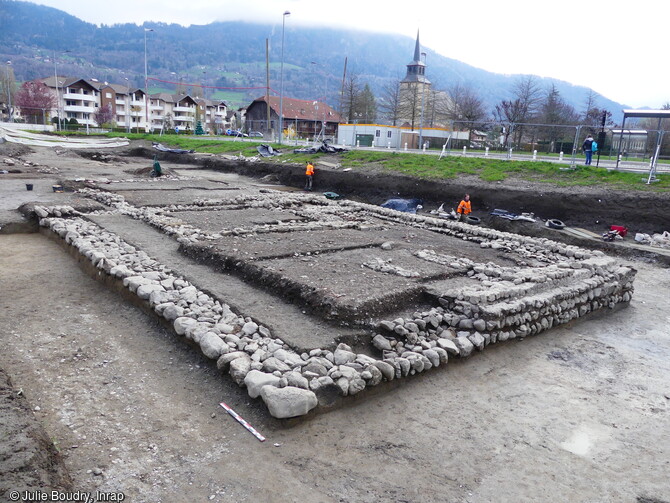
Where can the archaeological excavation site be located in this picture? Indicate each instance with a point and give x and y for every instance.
(365, 346)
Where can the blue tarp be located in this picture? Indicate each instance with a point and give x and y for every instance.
(405, 205)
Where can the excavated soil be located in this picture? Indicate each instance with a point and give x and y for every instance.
(102, 396)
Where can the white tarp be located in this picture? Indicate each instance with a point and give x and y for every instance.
(43, 140)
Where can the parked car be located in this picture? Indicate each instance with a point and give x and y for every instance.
(255, 134)
(235, 132)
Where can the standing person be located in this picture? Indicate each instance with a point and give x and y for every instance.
(309, 173)
(587, 147)
(464, 208)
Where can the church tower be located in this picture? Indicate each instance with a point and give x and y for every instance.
(416, 69)
(414, 88)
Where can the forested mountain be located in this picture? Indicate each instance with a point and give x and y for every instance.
(232, 55)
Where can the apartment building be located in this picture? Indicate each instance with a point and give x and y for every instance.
(79, 99)
(75, 98)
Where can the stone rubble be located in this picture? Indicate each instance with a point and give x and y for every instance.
(499, 304)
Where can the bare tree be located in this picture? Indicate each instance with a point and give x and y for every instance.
(389, 104)
(592, 115)
(465, 106)
(350, 96)
(7, 89)
(529, 94)
(508, 113)
(556, 112)
(410, 102)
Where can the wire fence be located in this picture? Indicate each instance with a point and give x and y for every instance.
(549, 139)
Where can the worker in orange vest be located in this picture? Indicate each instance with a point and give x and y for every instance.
(309, 173)
(464, 208)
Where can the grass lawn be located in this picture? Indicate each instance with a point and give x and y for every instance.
(428, 166)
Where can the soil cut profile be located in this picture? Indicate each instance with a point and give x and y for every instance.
(129, 408)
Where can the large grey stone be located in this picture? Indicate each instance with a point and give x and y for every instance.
(189, 294)
(387, 325)
(172, 312)
(387, 370)
(212, 346)
(288, 357)
(297, 380)
(341, 357)
(315, 368)
(134, 282)
(381, 343)
(272, 364)
(224, 361)
(320, 382)
(465, 347)
(289, 401)
(239, 368)
(348, 372)
(356, 386)
(433, 356)
(182, 324)
(250, 328)
(479, 325)
(376, 375)
(449, 346)
(255, 380)
(477, 340)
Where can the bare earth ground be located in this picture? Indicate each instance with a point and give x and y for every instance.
(577, 414)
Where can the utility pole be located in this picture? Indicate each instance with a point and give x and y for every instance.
(10, 115)
(146, 81)
(344, 78)
(281, 79)
(267, 84)
(601, 136)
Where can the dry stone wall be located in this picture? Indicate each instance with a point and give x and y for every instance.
(550, 284)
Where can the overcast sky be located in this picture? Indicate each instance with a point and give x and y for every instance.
(617, 48)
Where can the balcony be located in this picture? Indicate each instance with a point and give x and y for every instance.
(183, 119)
(78, 108)
(189, 110)
(137, 103)
(80, 96)
(120, 102)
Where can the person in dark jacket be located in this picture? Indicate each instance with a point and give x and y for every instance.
(587, 147)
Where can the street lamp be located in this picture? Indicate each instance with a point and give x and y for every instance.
(9, 94)
(146, 80)
(126, 106)
(423, 91)
(59, 124)
(281, 79)
(325, 97)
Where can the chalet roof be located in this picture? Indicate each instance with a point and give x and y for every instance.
(68, 81)
(302, 109)
(117, 88)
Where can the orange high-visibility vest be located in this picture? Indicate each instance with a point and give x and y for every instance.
(310, 169)
(465, 207)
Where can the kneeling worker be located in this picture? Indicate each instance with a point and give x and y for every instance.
(464, 208)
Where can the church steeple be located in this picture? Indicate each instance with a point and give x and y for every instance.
(417, 48)
(416, 69)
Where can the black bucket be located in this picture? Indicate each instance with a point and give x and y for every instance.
(29, 186)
